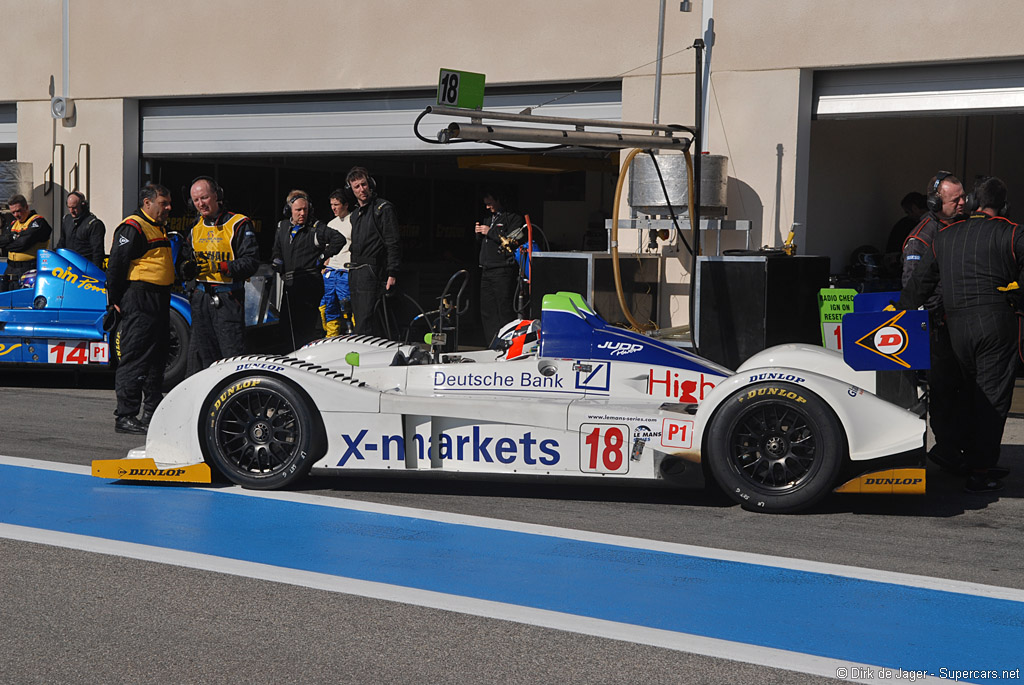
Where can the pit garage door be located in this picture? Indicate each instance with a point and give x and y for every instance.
(332, 125)
(974, 88)
(8, 124)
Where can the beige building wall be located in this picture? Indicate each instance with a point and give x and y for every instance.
(763, 58)
(234, 47)
(107, 167)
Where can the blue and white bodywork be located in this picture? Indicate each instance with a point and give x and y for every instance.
(57, 316)
(590, 400)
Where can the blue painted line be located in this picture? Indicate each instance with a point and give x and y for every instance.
(854, 620)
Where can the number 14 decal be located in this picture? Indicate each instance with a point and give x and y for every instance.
(604, 447)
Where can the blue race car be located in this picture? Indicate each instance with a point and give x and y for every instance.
(56, 317)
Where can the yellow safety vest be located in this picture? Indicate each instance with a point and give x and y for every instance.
(156, 265)
(18, 228)
(211, 245)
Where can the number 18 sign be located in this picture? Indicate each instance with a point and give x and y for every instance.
(463, 89)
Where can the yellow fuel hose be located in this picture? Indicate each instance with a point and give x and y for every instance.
(616, 271)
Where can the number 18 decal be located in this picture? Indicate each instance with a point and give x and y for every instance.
(604, 448)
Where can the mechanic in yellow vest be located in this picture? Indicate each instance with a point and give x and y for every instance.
(140, 273)
(29, 234)
(220, 253)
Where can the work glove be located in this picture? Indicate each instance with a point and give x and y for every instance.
(188, 270)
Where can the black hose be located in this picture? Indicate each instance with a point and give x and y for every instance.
(671, 211)
(416, 132)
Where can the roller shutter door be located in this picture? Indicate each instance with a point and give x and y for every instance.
(262, 127)
(973, 88)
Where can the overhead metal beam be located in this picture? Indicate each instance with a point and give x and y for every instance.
(483, 132)
(478, 115)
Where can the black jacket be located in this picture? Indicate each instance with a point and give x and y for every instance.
(915, 245)
(971, 259)
(375, 238)
(491, 252)
(129, 244)
(306, 252)
(83, 235)
(37, 232)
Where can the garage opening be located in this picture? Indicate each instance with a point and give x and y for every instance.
(878, 134)
(260, 150)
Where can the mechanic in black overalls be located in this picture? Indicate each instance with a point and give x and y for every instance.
(140, 273)
(81, 231)
(945, 202)
(498, 268)
(301, 245)
(220, 253)
(376, 253)
(976, 261)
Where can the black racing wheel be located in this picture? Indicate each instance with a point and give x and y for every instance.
(261, 432)
(177, 350)
(775, 447)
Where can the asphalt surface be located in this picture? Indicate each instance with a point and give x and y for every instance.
(77, 616)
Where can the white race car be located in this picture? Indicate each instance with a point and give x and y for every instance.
(585, 400)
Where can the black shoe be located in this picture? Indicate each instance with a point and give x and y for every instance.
(147, 416)
(982, 482)
(998, 472)
(129, 424)
(955, 465)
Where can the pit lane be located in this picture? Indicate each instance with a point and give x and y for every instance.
(946, 534)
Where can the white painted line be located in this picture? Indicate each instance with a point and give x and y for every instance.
(682, 642)
(46, 465)
(841, 570)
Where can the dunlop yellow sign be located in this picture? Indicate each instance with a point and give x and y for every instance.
(146, 469)
(888, 482)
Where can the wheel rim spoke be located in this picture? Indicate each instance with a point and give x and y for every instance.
(257, 431)
(774, 447)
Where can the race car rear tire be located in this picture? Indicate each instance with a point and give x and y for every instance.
(775, 447)
(177, 350)
(260, 432)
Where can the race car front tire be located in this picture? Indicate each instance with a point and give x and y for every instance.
(775, 447)
(260, 432)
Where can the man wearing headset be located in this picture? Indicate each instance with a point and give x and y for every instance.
(301, 246)
(220, 253)
(81, 231)
(977, 262)
(376, 251)
(945, 202)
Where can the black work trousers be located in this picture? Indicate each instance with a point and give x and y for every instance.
(984, 341)
(142, 341)
(300, 308)
(218, 327)
(497, 291)
(946, 395)
(367, 290)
